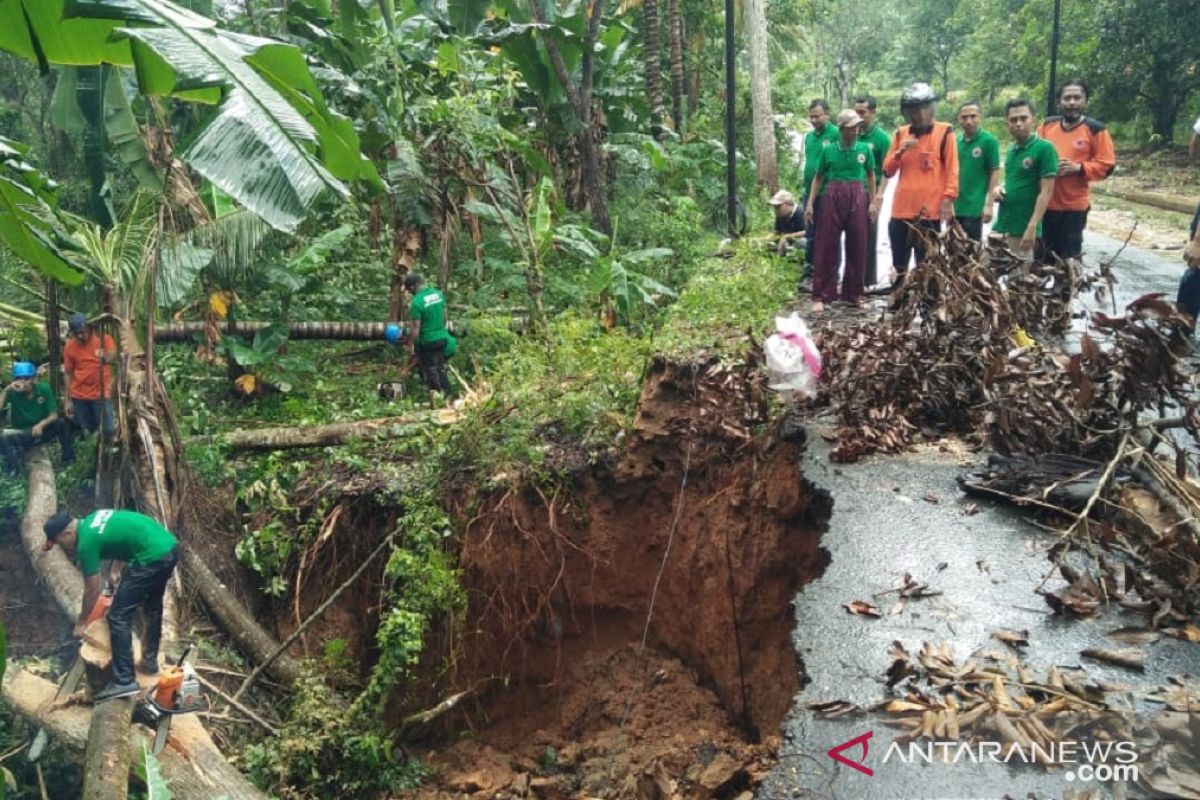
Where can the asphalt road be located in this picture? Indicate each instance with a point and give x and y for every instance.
(987, 566)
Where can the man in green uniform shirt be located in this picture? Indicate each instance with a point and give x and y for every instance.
(821, 135)
(429, 340)
(879, 141)
(978, 171)
(1029, 171)
(33, 413)
(149, 551)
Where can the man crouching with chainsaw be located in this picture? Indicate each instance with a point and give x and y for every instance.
(149, 551)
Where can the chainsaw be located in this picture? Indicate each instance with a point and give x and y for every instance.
(74, 675)
(177, 692)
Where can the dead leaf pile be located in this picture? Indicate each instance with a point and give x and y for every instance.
(993, 697)
(946, 362)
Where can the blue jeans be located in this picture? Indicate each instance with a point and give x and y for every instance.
(89, 413)
(1188, 298)
(15, 441)
(141, 585)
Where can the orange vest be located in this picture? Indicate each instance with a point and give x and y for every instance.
(1088, 143)
(928, 172)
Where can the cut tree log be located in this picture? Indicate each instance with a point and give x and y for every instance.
(1154, 199)
(334, 331)
(54, 568)
(194, 770)
(237, 620)
(110, 752)
(324, 435)
(201, 765)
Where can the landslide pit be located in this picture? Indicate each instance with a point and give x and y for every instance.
(567, 703)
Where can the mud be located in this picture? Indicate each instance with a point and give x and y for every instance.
(701, 511)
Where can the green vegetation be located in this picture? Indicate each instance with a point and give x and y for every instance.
(293, 160)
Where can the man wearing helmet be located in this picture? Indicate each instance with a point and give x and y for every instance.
(924, 154)
(33, 412)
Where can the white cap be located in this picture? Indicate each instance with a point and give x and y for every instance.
(781, 197)
(848, 118)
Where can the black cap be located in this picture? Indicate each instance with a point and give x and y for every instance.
(55, 525)
(411, 281)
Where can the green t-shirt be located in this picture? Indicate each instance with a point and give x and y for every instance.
(814, 143)
(879, 141)
(121, 535)
(976, 159)
(842, 163)
(1024, 168)
(29, 411)
(429, 306)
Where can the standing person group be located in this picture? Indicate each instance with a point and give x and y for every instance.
(943, 178)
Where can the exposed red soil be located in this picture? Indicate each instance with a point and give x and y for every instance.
(560, 587)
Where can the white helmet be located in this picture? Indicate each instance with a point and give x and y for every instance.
(917, 94)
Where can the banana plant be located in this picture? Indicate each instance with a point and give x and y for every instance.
(621, 288)
(272, 143)
(29, 222)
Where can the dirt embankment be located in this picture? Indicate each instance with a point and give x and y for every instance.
(716, 526)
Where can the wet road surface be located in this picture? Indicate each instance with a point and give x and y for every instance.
(987, 566)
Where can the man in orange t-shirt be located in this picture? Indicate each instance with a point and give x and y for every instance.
(86, 355)
(1085, 154)
(925, 154)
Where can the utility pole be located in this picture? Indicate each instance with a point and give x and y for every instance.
(730, 127)
(1051, 98)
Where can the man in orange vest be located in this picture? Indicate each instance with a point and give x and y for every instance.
(87, 357)
(925, 155)
(1085, 154)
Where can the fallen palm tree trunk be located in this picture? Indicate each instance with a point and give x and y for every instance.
(324, 435)
(337, 331)
(237, 620)
(54, 568)
(194, 748)
(109, 754)
(1155, 199)
(194, 770)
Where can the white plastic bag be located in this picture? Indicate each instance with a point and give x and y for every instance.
(793, 361)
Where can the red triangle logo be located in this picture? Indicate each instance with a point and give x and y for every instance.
(836, 752)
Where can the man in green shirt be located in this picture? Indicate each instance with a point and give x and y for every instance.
(428, 337)
(978, 171)
(879, 141)
(33, 414)
(821, 135)
(1029, 171)
(149, 551)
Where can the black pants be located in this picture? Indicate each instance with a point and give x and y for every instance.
(141, 585)
(1188, 298)
(810, 236)
(432, 358)
(871, 276)
(91, 414)
(1062, 234)
(973, 226)
(15, 442)
(906, 240)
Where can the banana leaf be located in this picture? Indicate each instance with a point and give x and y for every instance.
(29, 225)
(272, 144)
